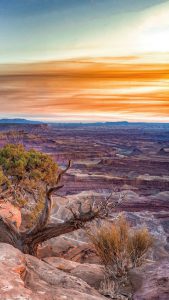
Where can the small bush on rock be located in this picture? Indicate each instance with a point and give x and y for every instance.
(120, 249)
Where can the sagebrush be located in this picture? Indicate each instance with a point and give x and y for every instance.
(120, 248)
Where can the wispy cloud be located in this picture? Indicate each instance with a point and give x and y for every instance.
(84, 89)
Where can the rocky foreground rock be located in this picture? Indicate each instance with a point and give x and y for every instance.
(24, 277)
(151, 281)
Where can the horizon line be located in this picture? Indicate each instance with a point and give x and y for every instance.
(81, 122)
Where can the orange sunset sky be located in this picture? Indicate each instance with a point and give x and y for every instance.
(108, 65)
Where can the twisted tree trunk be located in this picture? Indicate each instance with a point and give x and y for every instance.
(29, 240)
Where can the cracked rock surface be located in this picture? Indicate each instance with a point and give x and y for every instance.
(23, 277)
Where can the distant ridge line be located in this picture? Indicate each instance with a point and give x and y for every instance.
(19, 121)
(116, 123)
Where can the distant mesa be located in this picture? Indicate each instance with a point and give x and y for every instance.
(19, 121)
(163, 151)
(114, 123)
(85, 124)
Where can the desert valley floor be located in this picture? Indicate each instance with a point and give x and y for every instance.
(127, 160)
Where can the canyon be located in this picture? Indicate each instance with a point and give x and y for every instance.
(127, 160)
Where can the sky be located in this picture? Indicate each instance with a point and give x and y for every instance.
(84, 60)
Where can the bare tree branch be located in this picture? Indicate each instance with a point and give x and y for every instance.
(53, 230)
(29, 240)
(63, 172)
(45, 214)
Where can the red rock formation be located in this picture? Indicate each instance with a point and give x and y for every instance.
(10, 212)
(28, 278)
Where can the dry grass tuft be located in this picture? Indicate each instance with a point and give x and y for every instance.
(139, 243)
(120, 248)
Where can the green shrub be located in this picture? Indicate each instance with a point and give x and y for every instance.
(25, 174)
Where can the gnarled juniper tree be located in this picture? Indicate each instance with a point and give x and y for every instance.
(29, 173)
